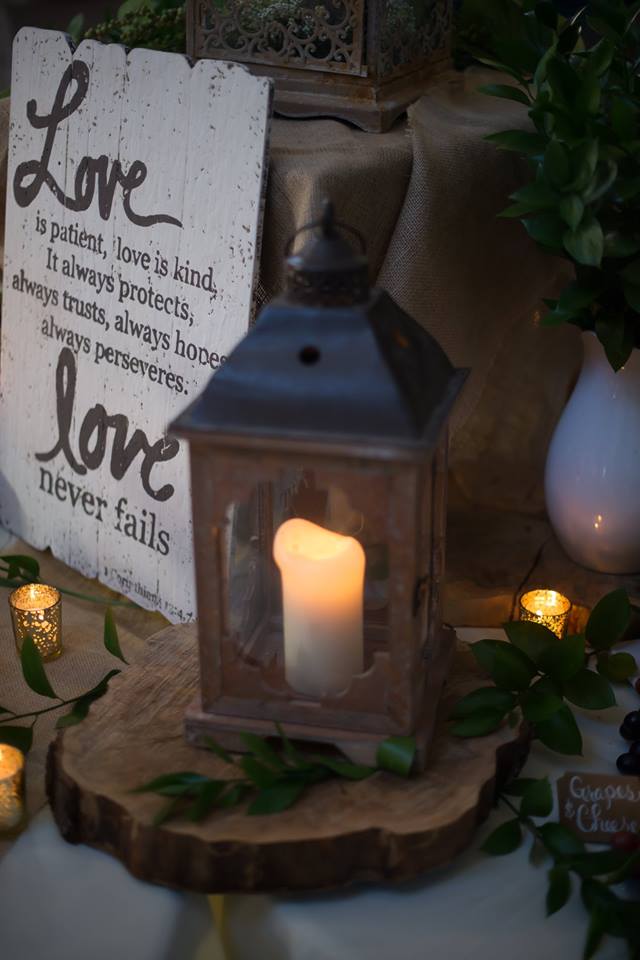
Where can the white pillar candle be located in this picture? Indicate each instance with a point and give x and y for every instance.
(322, 599)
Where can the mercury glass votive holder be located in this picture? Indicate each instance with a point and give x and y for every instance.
(11, 787)
(36, 610)
(547, 607)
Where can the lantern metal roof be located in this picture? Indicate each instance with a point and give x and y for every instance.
(331, 360)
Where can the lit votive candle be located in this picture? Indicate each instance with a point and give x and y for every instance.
(36, 611)
(322, 597)
(11, 787)
(547, 607)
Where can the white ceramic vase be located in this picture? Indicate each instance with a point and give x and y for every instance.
(592, 479)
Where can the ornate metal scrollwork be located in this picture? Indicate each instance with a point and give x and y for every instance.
(293, 33)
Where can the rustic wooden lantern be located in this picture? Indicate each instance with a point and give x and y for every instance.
(359, 60)
(318, 467)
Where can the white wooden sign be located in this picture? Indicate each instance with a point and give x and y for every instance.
(133, 219)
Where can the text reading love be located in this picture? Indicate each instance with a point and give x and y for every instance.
(91, 172)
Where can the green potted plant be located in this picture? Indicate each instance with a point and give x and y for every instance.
(578, 80)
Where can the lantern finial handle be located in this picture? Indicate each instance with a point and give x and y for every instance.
(327, 218)
(327, 223)
(327, 271)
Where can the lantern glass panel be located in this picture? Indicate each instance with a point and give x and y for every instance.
(328, 582)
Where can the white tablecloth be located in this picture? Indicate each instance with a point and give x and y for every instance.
(59, 902)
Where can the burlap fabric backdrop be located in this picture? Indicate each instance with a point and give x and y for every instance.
(425, 196)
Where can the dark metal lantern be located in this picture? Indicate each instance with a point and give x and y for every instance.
(332, 410)
(358, 60)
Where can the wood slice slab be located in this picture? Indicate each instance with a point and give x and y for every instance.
(381, 829)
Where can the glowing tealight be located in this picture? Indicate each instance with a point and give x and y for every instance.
(36, 612)
(547, 607)
(11, 787)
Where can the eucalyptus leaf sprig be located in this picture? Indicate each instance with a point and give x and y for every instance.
(579, 82)
(272, 779)
(595, 872)
(536, 675)
(17, 569)
(35, 676)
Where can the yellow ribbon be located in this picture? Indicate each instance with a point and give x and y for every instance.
(218, 909)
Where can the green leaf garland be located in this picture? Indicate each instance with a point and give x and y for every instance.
(273, 778)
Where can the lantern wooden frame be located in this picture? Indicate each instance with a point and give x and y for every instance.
(266, 411)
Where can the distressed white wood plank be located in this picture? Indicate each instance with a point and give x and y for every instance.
(113, 323)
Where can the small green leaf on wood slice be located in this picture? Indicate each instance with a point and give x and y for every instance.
(258, 772)
(182, 779)
(167, 812)
(232, 796)
(396, 754)
(262, 750)
(206, 800)
(342, 768)
(276, 798)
